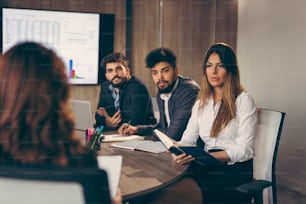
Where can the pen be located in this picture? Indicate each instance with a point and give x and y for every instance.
(126, 127)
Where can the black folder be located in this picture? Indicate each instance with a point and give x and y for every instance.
(201, 156)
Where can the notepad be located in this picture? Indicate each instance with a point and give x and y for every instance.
(120, 138)
(201, 156)
(112, 165)
(142, 145)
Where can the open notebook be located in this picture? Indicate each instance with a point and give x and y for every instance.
(82, 113)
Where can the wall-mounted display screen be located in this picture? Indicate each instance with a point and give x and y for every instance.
(74, 36)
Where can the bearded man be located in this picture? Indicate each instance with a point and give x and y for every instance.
(175, 97)
(123, 98)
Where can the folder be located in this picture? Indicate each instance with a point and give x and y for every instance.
(201, 156)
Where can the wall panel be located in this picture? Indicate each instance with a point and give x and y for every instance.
(226, 21)
(187, 27)
(144, 37)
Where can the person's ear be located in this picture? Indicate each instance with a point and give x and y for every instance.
(128, 71)
(177, 70)
(107, 77)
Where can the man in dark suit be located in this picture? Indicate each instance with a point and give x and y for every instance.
(123, 98)
(175, 98)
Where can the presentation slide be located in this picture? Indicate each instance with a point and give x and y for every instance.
(73, 36)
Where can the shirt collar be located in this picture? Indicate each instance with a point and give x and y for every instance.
(112, 89)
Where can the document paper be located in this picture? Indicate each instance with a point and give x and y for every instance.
(112, 165)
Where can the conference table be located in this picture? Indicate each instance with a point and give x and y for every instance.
(143, 172)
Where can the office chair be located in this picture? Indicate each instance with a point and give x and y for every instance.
(34, 185)
(263, 186)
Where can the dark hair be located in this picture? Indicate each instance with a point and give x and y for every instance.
(114, 57)
(160, 55)
(36, 123)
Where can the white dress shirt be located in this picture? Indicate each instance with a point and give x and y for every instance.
(237, 138)
(165, 97)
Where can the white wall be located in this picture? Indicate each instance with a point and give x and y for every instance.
(271, 51)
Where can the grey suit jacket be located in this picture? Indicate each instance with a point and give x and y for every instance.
(179, 105)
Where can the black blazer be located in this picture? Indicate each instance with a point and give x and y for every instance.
(134, 101)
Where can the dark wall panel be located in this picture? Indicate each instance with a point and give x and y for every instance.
(188, 27)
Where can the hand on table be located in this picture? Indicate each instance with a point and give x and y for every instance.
(127, 129)
(118, 198)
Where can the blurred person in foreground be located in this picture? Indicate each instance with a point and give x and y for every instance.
(36, 123)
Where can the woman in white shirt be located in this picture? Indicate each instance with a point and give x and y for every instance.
(224, 117)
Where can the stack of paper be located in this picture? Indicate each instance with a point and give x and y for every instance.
(119, 138)
(145, 145)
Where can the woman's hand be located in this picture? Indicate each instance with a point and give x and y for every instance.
(182, 158)
(118, 198)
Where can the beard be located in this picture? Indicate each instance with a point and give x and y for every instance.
(121, 83)
(166, 89)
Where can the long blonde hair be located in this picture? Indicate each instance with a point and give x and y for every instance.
(231, 89)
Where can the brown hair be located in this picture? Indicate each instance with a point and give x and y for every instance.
(114, 57)
(232, 87)
(36, 124)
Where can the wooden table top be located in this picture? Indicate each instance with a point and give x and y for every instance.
(144, 172)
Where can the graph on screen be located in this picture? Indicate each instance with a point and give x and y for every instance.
(74, 36)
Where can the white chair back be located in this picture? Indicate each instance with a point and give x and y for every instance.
(37, 185)
(15, 191)
(269, 130)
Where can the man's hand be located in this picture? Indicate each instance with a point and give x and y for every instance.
(113, 121)
(127, 129)
(102, 112)
(110, 121)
